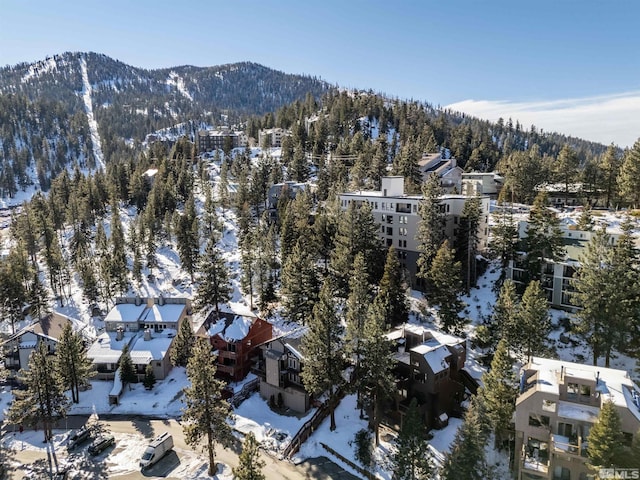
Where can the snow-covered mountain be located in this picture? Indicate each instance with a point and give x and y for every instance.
(90, 109)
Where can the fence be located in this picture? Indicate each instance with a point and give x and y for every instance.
(246, 390)
(357, 468)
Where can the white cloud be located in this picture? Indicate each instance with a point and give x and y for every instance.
(604, 119)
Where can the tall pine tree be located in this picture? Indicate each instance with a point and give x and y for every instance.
(412, 460)
(72, 364)
(214, 287)
(446, 288)
(430, 234)
(205, 413)
(323, 347)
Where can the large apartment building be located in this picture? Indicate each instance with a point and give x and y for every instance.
(556, 278)
(558, 404)
(397, 215)
(209, 140)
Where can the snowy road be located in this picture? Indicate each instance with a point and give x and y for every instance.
(132, 436)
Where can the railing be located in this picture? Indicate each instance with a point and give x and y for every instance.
(246, 390)
(311, 425)
(226, 354)
(366, 473)
(576, 447)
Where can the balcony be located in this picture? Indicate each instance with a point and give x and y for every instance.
(535, 457)
(574, 446)
(226, 354)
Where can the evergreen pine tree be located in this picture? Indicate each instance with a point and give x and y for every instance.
(629, 178)
(468, 240)
(446, 289)
(71, 362)
(300, 283)
(392, 296)
(44, 399)
(182, 346)
(118, 268)
(566, 168)
(357, 310)
(430, 230)
(610, 167)
(38, 297)
(188, 237)
(505, 315)
(323, 349)
(149, 379)
(213, 287)
(534, 322)
(504, 240)
(377, 378)
(625, 275)
(605, 443)
(499, 391)
(466, 459)
(412, 460)
(126, 367)
(356, 232)
(250, 464)
(544, 238)
(594, 292)
(206, 413)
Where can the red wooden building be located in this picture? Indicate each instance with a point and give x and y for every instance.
(235, 338)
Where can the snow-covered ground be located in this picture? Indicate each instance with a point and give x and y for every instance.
(254, 415)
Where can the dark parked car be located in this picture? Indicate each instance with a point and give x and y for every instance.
(101, 443)
(78, 437)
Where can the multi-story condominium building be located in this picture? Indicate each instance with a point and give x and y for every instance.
(481, 183)
(558, 404)
(397, 215)
(557, 275)
(279, 368)
(148, 326)
(428, 367)
(447, 169)
(208, 140)
(273, 136)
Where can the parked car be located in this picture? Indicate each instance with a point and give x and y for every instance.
(78, 437)
(101, 443)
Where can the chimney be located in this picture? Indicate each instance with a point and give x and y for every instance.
(119, 334)
(138, 301)
(147, 335)
(161, 300)
(561, 372)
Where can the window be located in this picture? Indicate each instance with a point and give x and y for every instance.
(539, 420)
(548, 406)
(585, 390)
(572, 389)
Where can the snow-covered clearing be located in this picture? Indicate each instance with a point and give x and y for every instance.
(88, 106)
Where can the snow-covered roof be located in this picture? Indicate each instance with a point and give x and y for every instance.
(125, 312)
(612, 384)
(435, 356)
(117, 384)
(167, 313)
(156, 348)
(294, 351)
(106, 349)
(425, 333)
(231, 327)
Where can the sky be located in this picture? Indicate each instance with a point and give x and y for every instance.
(571, 66)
